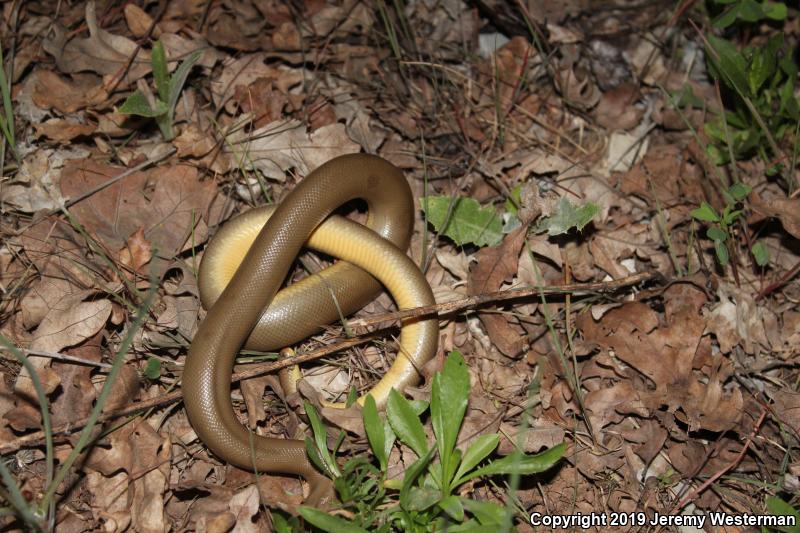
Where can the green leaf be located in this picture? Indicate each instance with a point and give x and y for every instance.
(514, 200)
(179, 78)
(477, 452)
(160, 70)
(521, 464)
(137, 104)
(715, 233)
(739, 191)
(722, 252)
(352, 397)
(761, 68)
(726, 18)
(329, 523)
(411, 475)
(705, 213)
(750, 11)
(778, 507)
(728, 217)
(422, 498)
(283, 525)
(153, 368)
(727, 63)
(775, 11)
(449, 396)
(379, 434)
(453, 507)
(487, 513)
(566, 217)
(760, 253)
(321, 441)
(467, 223)
(405, 423)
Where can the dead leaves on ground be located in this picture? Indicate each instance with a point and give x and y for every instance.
(670, 379)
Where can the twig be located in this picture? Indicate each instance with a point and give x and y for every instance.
(35, 438)
(61, 357)
(575, 289)
(786, 278)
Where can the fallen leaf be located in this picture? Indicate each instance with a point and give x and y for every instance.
(494, 265)
(151, 466)
(737, 319)
(51, 91)
(174, 216)
(62, 130)
(282, 145)
(139, 22)
(787, 210)
(616, 109)
(665, 356)
(108, 500)
(102, 52)
(63, 326)
(137, 252)
(244, 505)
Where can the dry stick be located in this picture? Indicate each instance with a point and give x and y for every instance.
(257, 370)
(61, 357)
(576, 289)
(786, 278)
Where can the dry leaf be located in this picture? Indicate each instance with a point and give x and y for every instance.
(151, 463)
(174, 215)
(616, 109)
(137, 252)
(244, 505)
(279, 146)
(494, 265)
(62, 130)
(666, 355)
(51, 91)
(139, 22)
(102, 52)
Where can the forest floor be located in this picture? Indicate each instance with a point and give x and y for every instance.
(628, 166)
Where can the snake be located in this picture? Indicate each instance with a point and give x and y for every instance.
(241, 274)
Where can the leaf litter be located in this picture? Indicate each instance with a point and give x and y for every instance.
(655, 388)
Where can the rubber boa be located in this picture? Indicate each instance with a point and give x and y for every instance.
(254, 277)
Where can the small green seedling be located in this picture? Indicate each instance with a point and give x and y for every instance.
(721, 224)
(161, 107)
(427, 497)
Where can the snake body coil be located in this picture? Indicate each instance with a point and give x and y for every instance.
(237, 294)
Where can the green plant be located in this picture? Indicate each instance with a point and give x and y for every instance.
(779, 507)
(721, 224)
(748, 11)
(427, 497)
(465, 221)
(161, 106)
(7, 118)
(762, 107)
